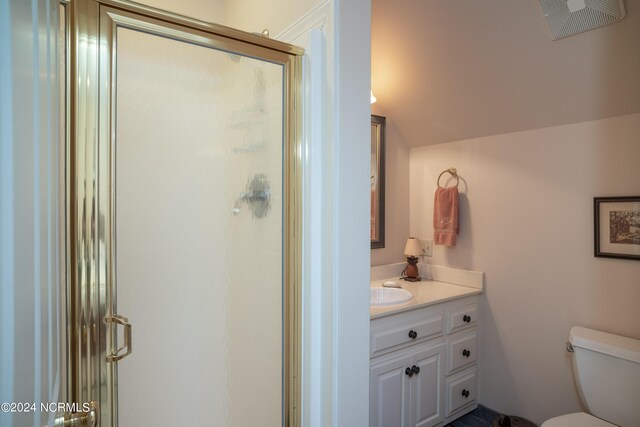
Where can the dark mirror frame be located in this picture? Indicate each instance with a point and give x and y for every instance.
(378, 146)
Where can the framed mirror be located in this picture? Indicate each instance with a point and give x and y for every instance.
(377, 181)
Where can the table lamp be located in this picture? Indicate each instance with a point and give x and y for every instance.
(412, 250)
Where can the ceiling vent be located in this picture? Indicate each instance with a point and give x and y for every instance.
(568, 17)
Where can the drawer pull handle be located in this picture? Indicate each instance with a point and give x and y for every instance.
(466, 318)
(408, 372)
(466, 353)
(413, 334)
(465, 393)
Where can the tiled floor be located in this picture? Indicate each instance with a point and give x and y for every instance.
(482, 417)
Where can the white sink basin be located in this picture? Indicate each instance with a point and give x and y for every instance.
(388, 296)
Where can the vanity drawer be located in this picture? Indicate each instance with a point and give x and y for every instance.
(405, 331)
(461, 391)
(462, 317)
(462, 351)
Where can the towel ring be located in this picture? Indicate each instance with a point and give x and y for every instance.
(452, 172)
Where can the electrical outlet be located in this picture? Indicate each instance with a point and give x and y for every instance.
(427, 247)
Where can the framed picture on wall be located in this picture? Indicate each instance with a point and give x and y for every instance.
(617, 227)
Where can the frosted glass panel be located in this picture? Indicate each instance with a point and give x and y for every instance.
(198, 274)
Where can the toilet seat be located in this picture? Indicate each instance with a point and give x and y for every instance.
(578, 419)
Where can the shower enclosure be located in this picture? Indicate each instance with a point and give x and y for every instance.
(184, 236)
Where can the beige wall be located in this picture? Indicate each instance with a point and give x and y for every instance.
(275, 15)
(209, 11)
(396, 194)
(527, 222)
(247, 15)
(458, 69)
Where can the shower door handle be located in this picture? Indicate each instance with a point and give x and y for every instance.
(119, 354)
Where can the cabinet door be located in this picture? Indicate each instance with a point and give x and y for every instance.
(427, 387)
(389, 393)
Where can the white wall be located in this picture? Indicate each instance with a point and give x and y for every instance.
(349, 107)
(336, 186)
(526, 218)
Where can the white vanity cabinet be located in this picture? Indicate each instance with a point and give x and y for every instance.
(399, 385)
(423, 364)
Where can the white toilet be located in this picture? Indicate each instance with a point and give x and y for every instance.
(607, 372)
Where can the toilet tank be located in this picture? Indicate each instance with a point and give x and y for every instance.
(607, 372)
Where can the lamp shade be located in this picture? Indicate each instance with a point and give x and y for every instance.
(413, 247)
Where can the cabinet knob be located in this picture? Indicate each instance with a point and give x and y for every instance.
(465, 393)
(466, 318)
(415, 369)
(413, 334)
(466, 353)
(409, 372)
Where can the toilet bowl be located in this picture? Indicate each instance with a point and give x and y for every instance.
(607, 372)
(579, 419)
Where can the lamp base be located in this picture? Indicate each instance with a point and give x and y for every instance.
(410, 272)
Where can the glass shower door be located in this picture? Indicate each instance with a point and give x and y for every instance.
(198, 272)
(190, 294)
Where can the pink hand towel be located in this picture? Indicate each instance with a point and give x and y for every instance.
(445, 216)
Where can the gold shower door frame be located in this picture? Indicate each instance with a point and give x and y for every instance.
(90, 177)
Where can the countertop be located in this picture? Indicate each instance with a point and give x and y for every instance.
(426, 292)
